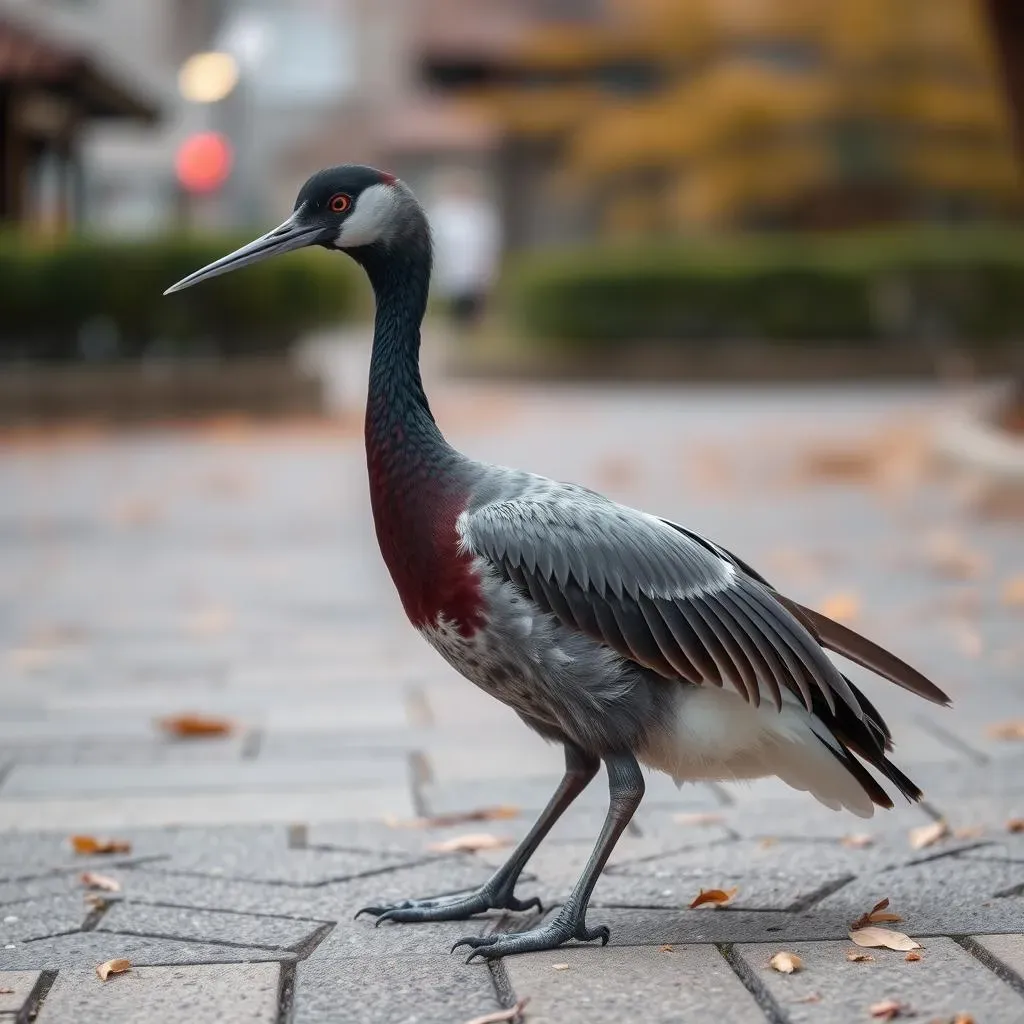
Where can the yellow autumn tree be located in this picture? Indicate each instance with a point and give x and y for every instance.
(675, 113)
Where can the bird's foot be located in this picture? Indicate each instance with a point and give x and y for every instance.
(568, 924)
(457, 907)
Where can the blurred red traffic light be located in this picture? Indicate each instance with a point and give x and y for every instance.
(203, 162)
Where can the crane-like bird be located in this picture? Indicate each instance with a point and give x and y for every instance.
(623, 636)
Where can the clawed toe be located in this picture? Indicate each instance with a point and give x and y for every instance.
(474, 941)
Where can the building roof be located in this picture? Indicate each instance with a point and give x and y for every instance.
(37, 48)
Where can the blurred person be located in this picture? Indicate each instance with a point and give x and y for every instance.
(467, 243)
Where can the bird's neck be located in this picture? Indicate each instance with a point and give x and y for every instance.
(417, 487)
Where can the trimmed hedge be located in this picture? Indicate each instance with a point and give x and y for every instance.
(863, 288)
(102, 300)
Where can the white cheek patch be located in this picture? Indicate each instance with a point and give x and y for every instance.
(372, 218)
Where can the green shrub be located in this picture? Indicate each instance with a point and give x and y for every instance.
(874, 288)
(103, 299)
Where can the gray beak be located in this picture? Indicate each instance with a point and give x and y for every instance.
(289, 235)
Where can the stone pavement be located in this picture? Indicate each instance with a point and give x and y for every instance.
(232, 571)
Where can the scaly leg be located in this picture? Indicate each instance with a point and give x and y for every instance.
(626, 789)
(497, 893)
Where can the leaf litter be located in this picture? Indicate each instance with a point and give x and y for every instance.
(889, 1009)
(786, 963)
(190, 726)
(927, 835)
(878, 914)
(716, 897)
(511, 1014)
(118, 966)
(1012, 729)
(86, 845)
(872, 938)
(92, 880)
(470, 843)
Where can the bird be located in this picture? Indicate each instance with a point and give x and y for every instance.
(623, 636)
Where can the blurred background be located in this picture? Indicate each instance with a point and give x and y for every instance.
(820, 190)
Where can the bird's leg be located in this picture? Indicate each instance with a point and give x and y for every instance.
(497, 893)
(626, 788)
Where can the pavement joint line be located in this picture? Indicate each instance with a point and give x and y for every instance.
(298, 836)
(304, 947)
(933, 812)
(40, 990)
(223, 910)
(939, 855)
(94, 916)
(1013, 890)
(991, 961)
(503, 990)
(809, 899)
(285, 993)
(772, 1011)
(951, 740)
(270, 947)
(618, 866)
(57, 872)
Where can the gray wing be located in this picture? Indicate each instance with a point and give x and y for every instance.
(653, 592)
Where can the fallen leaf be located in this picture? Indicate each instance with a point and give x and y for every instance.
(96, 901)
(926, 835)
(786, 963)
(912, 957)
(192, 726)
(512, 1014)
(859, 840)
(86, 845)
(559, 967)
(768, 842)
(963, 1018)
(118, 966)
(1009, 730)
(717, 897)
(811, 997)
(888, 1009)
(666, 949)
(499, 813)
(1013, 591)
(843, 606)
(876, 915)
(697, 819)
(856, 957)
(91, 880)
(873, 937)
(470, 843)
(6, 991)
(1015, 825)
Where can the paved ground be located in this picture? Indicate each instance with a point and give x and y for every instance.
(233, 572)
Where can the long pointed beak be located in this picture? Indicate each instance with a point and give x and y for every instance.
(287, 236)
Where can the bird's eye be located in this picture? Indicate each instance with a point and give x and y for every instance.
(340, 202)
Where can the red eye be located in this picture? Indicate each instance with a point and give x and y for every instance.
(340, 202)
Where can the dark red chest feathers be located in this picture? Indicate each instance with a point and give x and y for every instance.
(415, 508)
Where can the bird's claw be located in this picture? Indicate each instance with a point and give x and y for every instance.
(547, 936)
(452, 908)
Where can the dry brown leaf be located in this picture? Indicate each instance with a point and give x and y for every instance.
(6, 991)
(1013, 591)
(888, 1009)
(875, 915)
(1015, 825)
(470, 843)
(1013, 729)
(843, 606)
(559, 967)
(667, 948)
(856, 957)
(912, 957)
(498, 813)
(705, 818)
(92, 880)
(859, 840)
(811, 997)
(96, 901)
(926, 835)
(962, 1018)
(873, 937)
(512, 1014)
(786, 963)
(87, 845)
(118, 966)
(716, 897)
(194, 726)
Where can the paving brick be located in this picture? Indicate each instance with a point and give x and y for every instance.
(607, 986)
(45, 781)
(945, 981)
(427, 989)
(186, 922)
(19, 985)
(1008, 950)
(227, 993)
(41, 915)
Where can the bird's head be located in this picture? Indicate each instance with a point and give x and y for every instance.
(349, 208)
